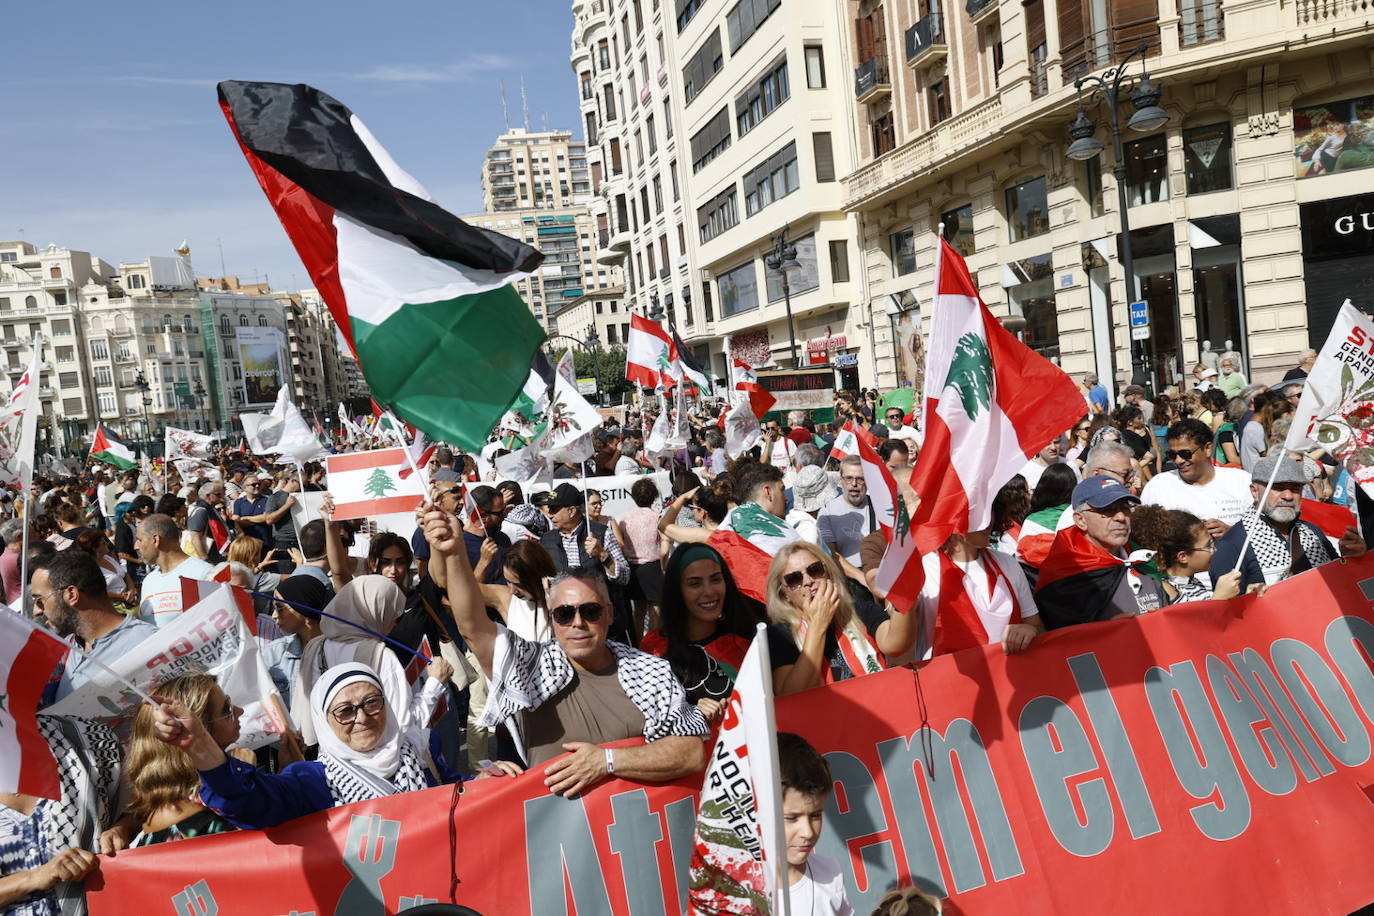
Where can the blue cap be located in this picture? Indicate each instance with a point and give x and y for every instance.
(1100, 492)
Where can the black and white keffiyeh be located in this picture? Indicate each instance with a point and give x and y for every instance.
(88, 763)
(525, 675)
(349, 783)
(1274, 552)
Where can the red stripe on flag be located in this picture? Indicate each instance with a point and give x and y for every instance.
(23, 690)
(361, 461)
(386, 506)
(747, 563)
(944, 501)
(1331, 518)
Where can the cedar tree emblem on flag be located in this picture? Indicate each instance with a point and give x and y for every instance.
(971, 374)
(379, 484)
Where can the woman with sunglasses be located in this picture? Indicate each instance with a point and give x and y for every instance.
(364, 754)
(708, 506)
(707, 626)
(824, 627)
(1077, 452)
(1183, 548)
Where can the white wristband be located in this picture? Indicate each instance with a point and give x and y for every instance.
(610, 762)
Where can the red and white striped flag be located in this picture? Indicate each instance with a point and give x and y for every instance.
(370, 483)
(649, 354)
(882, 486)
(421, 450)
(28, 655)
(847, 441)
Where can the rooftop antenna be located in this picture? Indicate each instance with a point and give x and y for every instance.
(222, 271)
(546, 122)
(524, 103)
(505, 113)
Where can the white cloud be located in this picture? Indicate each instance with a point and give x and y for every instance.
(462, 71)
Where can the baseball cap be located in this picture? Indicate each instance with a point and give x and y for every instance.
(1100, 492)
(1289, 471)
(565, 495)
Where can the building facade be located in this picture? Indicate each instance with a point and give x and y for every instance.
(535, 170)
(603, 311)
(1248, 208)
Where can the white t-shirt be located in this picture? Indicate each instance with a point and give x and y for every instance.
(821, 889)
(160, 600)
(909, 433)
(806, 526)
(1225, 498)
(626, 465)
(994, 616)
(783, 450)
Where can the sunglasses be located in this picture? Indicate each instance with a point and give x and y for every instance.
(563, 614)
(1185, 454)
(816, 571)
(369, 707)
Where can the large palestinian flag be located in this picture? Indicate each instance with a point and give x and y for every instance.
(109, 448)
(424, 300)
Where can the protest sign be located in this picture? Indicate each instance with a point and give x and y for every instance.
(370, 483)
(1210, 757)
(1336, 410)
(213, 636)
(614, 490)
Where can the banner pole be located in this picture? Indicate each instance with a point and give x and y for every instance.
(112, 673)
(24, 554)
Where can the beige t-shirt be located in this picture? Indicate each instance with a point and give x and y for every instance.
(593, 707)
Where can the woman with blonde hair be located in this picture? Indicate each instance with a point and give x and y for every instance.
(162, 780)
(824, 626)
(247, 550)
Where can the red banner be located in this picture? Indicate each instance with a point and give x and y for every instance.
(1211, 757)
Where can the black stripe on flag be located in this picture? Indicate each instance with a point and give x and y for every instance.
(308, 137)
(689, 363)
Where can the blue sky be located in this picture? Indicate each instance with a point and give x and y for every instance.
(114, 142)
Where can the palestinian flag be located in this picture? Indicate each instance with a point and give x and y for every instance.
(689, 368)
(1078, 574)
(111, 449)
(991, 404)
(748, 539)
(1038, 531)
(424, 300)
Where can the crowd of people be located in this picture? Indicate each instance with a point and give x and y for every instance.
(561, 625)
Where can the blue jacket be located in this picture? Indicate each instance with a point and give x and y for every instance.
(1227, 556)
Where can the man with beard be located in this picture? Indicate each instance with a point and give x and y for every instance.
(69, 590)
(1282, 544)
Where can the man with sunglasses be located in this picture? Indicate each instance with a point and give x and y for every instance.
(1193, 483)
(69, 590)
(898, 428)
(250, 512)
(1282, 544)
(567, 697)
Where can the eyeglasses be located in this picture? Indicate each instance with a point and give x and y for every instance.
(816, 571)
(564, 614)
(1210, 547)
(894, 416)
(39, 599)
(228, 713)
(1123, 475)
(369, 707)
(848, 479)
(1113, 510)
(1184, 454)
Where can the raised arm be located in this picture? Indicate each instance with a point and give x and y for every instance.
(340, 564)
(446, 546)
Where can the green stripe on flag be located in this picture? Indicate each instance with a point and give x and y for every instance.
(451, 368)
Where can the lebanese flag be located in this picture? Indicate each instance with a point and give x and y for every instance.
(370, 483)
(421, 450)
(194, 591)
(28, 655)
(425, 301)
(882, 486)
(743, 372)
(848, 438)
(991, 404)
(648, 354)
(748, 539)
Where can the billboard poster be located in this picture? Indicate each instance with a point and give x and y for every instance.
(260, 352)
(1334, 137)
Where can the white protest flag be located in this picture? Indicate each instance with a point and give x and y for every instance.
(570, 417)
(28, 655)
(657, 441)
(680, 429)
(739, 861)
(741, 428)
(19, 426)
(1336, 411)
(251, 423)
(213, 636)
(284, 432)
(370, 483)
(183, 443)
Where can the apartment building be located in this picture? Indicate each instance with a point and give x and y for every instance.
(603, 311)
(1248, 208)
(530, 170)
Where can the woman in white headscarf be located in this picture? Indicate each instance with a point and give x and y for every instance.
(364, 754)
(376, 603)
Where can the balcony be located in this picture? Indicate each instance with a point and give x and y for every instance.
(12, 344)
(643, 95)
(47, 391)
(871, 80)
(662, 74)
(925, 41)
(980, 11)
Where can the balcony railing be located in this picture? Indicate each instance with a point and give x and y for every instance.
(978, 10)
(1200, 21)
(644, 94)
(871, 79)
(925, 39)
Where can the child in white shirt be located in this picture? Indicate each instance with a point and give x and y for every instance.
(816, 883)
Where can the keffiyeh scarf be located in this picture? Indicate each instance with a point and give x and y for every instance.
(1274, 552)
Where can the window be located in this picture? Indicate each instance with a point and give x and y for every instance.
(901, 248)
(1028, 212)
(1207, 158)
(815, 67)
(1034, 299)
(59, 298)
(72, 406)
(839, 261)
(107, 403)
(939, 102)
(243, 321)
(798, 281)
(1147, 174)
(745, 18)
(658, 194)
(104, 378)
(774, 179)
(718, 214)
(825, 157)
(686, 9)
(136, 281)
(958, 227)
(8, 256)
(262, 321)
(702, 67)
(653, 135)
(224, 324)
(30, 302)
(65, 354)
(759, 100)
(739, 291)
(883, 134)
(672, 177)
(4, 304)
(68, 380)
(712, 140)
(1092, 190)
(55, 273)
(100, 349)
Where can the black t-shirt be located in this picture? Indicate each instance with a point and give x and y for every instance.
(1138, 443)
(783, 649)
(415, 623)
(124, 538)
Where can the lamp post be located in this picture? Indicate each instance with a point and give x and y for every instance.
(590, 346)
(594, 348)
(780, 260)
(141, 383)
(1148, 116)
(200, 400)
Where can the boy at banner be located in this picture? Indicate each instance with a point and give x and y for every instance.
(815, 881)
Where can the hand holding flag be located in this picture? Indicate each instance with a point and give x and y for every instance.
(28, 655)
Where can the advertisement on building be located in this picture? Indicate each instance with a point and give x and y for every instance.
(1334, 136)
(264, 372)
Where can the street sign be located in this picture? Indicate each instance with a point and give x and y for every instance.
(181, 389)
(1140, 316)
(1141, 332)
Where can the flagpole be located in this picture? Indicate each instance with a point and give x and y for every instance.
(1264, 498)
(113, 673)
(405, 447)
(24, 555)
